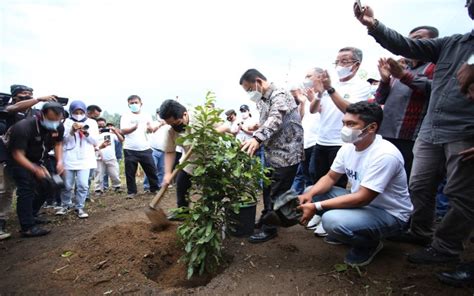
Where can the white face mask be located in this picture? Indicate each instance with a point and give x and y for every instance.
(78, 117)
(343, 72)
(308, 83)
(245, 115)
(255, 95)
(349, 135)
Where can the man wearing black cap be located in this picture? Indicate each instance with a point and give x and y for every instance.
(29, 142)
(19, 108)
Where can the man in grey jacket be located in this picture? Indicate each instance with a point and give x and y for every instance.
(446, 133)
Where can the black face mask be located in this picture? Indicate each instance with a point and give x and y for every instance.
(179, 128)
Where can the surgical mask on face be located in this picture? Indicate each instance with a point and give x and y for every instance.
(373, 89)
(49, 124)
(349, 135)
(179, 128)
(343, 72)
(134, 107)
(78, 117)
(245, 115)
(308, 83)
(255, 95)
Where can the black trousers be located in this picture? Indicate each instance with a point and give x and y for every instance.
(406, 148)
(183, 184)
(324, 157)
(281, 181)
(145, 159)
(31, 194)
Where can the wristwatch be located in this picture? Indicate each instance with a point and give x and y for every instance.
(331, 90)
(257, 139)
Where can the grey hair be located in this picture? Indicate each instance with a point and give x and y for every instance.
(356, 53)
(318, 70)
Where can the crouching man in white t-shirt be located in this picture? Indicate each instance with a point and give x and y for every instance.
(378, 204)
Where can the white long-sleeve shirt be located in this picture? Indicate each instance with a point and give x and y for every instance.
(79, 153)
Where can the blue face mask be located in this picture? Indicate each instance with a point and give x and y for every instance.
(134, 108)
(49, 124)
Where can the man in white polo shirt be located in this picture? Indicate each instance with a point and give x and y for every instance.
(135, 125)
(348, 88)
(378, 204)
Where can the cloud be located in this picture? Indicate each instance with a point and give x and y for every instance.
(103, 51)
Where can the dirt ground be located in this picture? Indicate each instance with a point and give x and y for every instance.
(114, 252)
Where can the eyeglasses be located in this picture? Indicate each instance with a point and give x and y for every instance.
(345, 62)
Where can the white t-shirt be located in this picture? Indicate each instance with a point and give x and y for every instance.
(158, 138)
(137, 140)
(108, 153)
(353, 91)
(79, 152)
(380, 168)
(249, 122)
(310, 123)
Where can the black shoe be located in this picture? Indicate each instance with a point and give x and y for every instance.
(464, 274)
(431, 256)
(410, 238)
(34, 231)
(258, 224)
(39, 220)
(173, 217)
(261, 237)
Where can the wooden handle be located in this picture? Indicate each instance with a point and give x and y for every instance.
(164, 188)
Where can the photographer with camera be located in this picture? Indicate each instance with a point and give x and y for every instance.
(14, 108)
(80, 137)
(107, 164)
(28, 143)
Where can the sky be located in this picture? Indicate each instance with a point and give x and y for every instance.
(102, 51)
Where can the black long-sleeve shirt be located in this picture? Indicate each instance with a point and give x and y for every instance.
(450, 115)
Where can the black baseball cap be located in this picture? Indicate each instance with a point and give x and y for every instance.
(244, 108)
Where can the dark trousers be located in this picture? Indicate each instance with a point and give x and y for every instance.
(55, 197)
(31, 194)
(324, 157)
(406, 148)
(304, 175)
(145, 159)
(183, 184)
(281, 181)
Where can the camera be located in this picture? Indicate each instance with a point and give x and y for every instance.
(55, 182)
(104, 130)
(107, 138)
(62, 101)
(5, 99)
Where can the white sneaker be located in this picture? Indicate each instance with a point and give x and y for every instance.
(319, 231)
(4, 235)
(81, 214)
(62, 211)
(314, 222)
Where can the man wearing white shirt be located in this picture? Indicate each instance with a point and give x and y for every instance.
(378, 204)
(135, 125)
(107, 164)
(157, 143)
(349, 88)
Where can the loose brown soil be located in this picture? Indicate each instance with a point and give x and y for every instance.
(115, 252)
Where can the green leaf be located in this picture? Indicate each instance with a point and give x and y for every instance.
(67, 254)
(340, 267)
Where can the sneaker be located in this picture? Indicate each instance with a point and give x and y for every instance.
(62, 211)
(314, 222)
(332, 241)
(98, 192)
(3, 233)
(357, 257)
(319, 231)
(431, 256)
(82, 214)
(131, 196)
(117, 190)
(34, 231)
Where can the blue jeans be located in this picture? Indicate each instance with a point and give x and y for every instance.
(442, 201)
(303, 178)
(360, 227)
(81, 179)
(159, 158)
